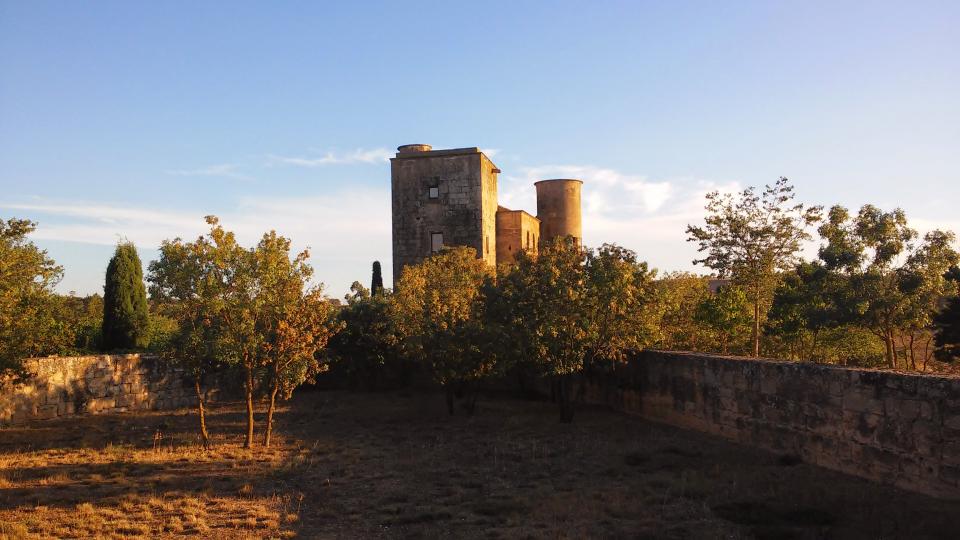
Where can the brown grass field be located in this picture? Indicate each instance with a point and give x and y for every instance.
(395, 465)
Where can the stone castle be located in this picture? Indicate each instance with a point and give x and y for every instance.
(449, 197)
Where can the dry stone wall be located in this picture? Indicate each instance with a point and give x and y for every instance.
(896, 428)
(64, 386)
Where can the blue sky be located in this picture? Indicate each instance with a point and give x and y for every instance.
(136, 119)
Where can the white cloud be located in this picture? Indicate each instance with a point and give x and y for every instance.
(345, 231)
(226, 170)
(377, 155)
(648, 216)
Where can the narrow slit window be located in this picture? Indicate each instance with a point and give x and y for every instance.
(436, 242)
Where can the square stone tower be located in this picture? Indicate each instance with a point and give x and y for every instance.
(442, 197)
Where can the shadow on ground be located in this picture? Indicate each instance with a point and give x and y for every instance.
(396, 465)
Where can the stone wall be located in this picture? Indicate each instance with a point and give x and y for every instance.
(63, 386)
(896, 428)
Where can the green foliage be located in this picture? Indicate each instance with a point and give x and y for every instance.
(83, 319)
(676, 297)
(568, 307)
(163, 332)
(365, 350)
(947, 323)
(437, 311)
(753, 237)
(727, 316)
(29, 325)
(620, 291)
(883, 281)
(126, 321)
(250, 308)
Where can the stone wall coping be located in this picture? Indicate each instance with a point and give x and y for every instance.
(947, 377)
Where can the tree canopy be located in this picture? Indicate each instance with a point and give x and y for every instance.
(752, 238)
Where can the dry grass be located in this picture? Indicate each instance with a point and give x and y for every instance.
(100, 477)
(395, 465)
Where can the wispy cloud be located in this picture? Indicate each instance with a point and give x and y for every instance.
(346, 230)
(605, 189)
(647, 215)
(225, 170)
(360, 155)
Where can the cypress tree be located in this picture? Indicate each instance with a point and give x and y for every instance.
(376, 284)
(125, 318)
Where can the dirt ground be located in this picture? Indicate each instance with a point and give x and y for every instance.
(396, 465)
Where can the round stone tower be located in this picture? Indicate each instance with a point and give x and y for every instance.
(558, 209)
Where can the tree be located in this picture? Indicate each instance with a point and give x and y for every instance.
(28, 322)
(291, 321)
(188, 286)
(125, 315)
(726, 314)
(677, 296)
(437, 311)
(924, 284)
(569, 309)
(892, 286)
(947, 323)
(805, 305)
(376, 282)
(366, 347)
(751, 238)
(620, 291)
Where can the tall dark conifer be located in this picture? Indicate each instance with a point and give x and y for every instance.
(125, 317)
(376, 283)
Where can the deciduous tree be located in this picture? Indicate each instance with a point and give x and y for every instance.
(437, 312)
(753, 237)
(726, 314)
(28, 321)
(187, 285)
(892, 285)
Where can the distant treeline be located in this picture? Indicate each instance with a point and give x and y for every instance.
(876, 295)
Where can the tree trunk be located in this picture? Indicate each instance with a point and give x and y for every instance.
(470, 393)
(204, 436)
(564, 391)
(756, 328)
(270, 409)
(896, 353)
(248, 443)
(449, 391)
(913, 356)
(888, 340)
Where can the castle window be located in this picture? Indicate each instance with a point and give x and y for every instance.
(486, 239)
(433, 192)
(436, 242)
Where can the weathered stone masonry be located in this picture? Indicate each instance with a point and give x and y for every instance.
(63, 386)
(896, 428)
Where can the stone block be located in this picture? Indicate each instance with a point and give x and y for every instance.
(862, 400)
